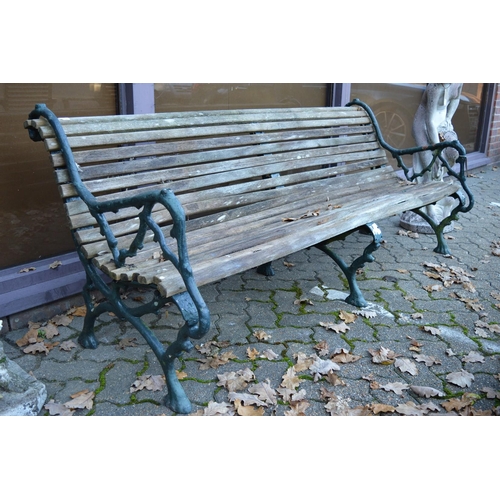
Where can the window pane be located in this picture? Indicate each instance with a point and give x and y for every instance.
(202, 96)
(395, 104)
(32, 222)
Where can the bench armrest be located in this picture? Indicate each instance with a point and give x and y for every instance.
(436, 151)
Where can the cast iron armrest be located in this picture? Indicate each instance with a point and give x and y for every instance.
(437, 154)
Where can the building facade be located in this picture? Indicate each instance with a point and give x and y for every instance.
(38, 265)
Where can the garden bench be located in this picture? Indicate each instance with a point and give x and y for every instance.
(173, 201)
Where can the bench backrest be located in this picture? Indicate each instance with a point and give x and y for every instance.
(212, 160)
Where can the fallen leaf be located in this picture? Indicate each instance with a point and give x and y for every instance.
(67, 345)
(342, 355)
(396, 387)
(290, 379)
(216, 409)
(462, 378)
(410, 409)
(58, 409)
(406, 365)
(27, 269)
(491, 393)
(333, 379)
(34, 348)
(78, 311)
(467, 399)
(261, 335)
(269, 354)
(252, 353)
(377, 408)
(235, 381)
(264, 391)
(306, 302)
(55, 264)
(303, 362)
(81, 400)
(428, 360)
(432, 330)
(322, 348)
(128, 342)
(249, 399)
(297, 409)
(473, 357)
(337, 328)
(417, 316)
(365, 313)
(347, 317)
(148, 382)
(62, 320)
(383, 356)
(322, 367)
(286, 394)
(426, 392)
(247, 411)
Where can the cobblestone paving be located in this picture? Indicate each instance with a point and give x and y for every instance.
(287, 345)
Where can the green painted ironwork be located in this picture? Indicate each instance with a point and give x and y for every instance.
(465, 198)
(190, 303)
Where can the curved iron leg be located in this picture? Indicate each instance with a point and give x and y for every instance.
(355, 296)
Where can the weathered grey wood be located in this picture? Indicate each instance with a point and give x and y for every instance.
(239, 175)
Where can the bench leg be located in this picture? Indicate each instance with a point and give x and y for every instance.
(197, 324)
(266, 269)
(355, 296)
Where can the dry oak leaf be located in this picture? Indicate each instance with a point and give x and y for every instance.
(426, 392)
(396, 387)
(218, 409)
(148, 382)
(467, 399)
(246, 399)
(303, 362)
(286, 394)
(322, 348)
(252, 353)
(335, 327)
(216, 360)
(406, 365)
(333, 379)
(338, 406)
(410, 409)
(297, 409)
(80, 400)
(67, 345)
(290, 379)
(264, 391)
(261, 335)
(235, 381)
(428, 360)
(342, 355)
(347, 317)
(431, 329)
(383, 356)
(247, 411)
(462, 378)
(473, 357)
(491, 393)
(377, 408)
(128, 342)
(269, 354)
(322, 367)
(58, 409)
(78, 311)
(34, 348)
(365, 313)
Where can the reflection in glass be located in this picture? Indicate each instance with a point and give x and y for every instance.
(32, 221)
(203, 96)
(395, 104)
